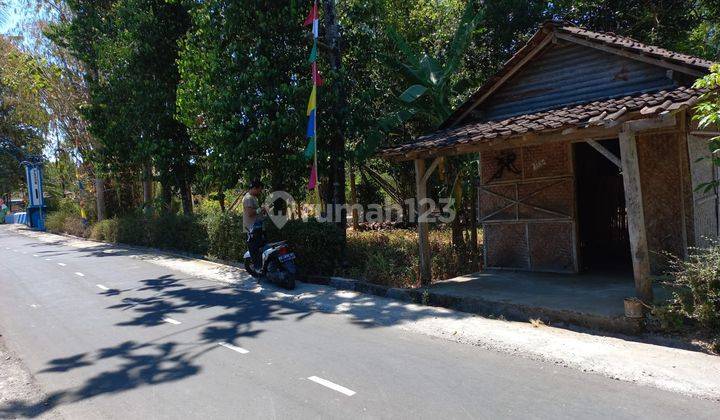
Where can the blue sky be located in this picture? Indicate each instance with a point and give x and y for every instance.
(15, 10)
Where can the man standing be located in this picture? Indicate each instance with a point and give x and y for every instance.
(251, 204)
(3, 211)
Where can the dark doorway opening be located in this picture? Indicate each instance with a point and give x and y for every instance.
(602, 222)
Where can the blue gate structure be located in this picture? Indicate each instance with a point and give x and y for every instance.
(36, 209)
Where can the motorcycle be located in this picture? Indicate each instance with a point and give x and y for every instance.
(274, 261)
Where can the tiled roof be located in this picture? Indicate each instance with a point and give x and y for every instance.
(629, 44)
(597, 113)
(604, 38)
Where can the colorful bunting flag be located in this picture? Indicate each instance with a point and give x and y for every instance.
(317, 80)
(313, 52)
(311, 125)
(312, 183)
(311, 149)
(312, 16)
(311, 102)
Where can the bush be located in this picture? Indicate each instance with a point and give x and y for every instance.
(55, 222)
(226, 239)
(317, 245)
(75, 225)
(65, 222)
(105, 230)
(695, 288)
(180, 232)
(177, 232)
(391, 258)
(388, 257)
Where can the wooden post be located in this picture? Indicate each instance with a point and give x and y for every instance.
(422, 224)
(635, 216)
(354, 199)
(100, 198)
(147, 187)
(473, 221)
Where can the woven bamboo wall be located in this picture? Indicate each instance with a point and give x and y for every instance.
(527, 205)
(663, 180)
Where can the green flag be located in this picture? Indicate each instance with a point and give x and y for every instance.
(314, 52)
(310, 149)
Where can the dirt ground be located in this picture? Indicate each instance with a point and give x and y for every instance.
(17, 386)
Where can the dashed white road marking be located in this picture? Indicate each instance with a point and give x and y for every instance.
(172, 321)
(80, 274)
(234, 348)
(335, 387)
(62, 264)
(34, 305)
(35, 255)
(102, 287)
(48, 259)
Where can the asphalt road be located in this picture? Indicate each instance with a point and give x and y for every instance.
(110, 336)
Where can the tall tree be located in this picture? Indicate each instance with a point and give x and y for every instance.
(245, 85)
(23, 118)
(130, 49)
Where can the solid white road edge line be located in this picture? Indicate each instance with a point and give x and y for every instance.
(172, 321)
(80, 274)
(62, 264)
(234, 348)
(339, 388)
(102, 287)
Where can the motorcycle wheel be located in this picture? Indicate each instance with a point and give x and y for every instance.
(249, 268)
(281, 275)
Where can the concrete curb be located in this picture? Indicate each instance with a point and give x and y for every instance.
(483, 307)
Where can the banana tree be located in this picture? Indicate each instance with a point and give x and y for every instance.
(430, 89)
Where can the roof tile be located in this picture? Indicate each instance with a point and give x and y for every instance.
(568, 116)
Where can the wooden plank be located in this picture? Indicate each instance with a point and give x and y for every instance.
(422, 224)
(632, 55)
(548, 39)
(431, 169)
(635, 216)
(605, 152)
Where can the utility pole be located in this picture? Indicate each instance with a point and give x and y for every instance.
(337, 140)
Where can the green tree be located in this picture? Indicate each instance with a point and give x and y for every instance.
(244, 91)
(130, 50)
(23, 118)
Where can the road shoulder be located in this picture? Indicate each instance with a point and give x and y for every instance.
(18, 388)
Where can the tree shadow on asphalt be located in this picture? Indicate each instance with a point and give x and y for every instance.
(136, 365)
(235, 313)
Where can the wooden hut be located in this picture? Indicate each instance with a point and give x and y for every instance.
(588, 156)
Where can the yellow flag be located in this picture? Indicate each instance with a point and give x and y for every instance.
(311, 102)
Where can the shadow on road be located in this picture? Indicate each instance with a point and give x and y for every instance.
(234, 314)
(139, 365)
